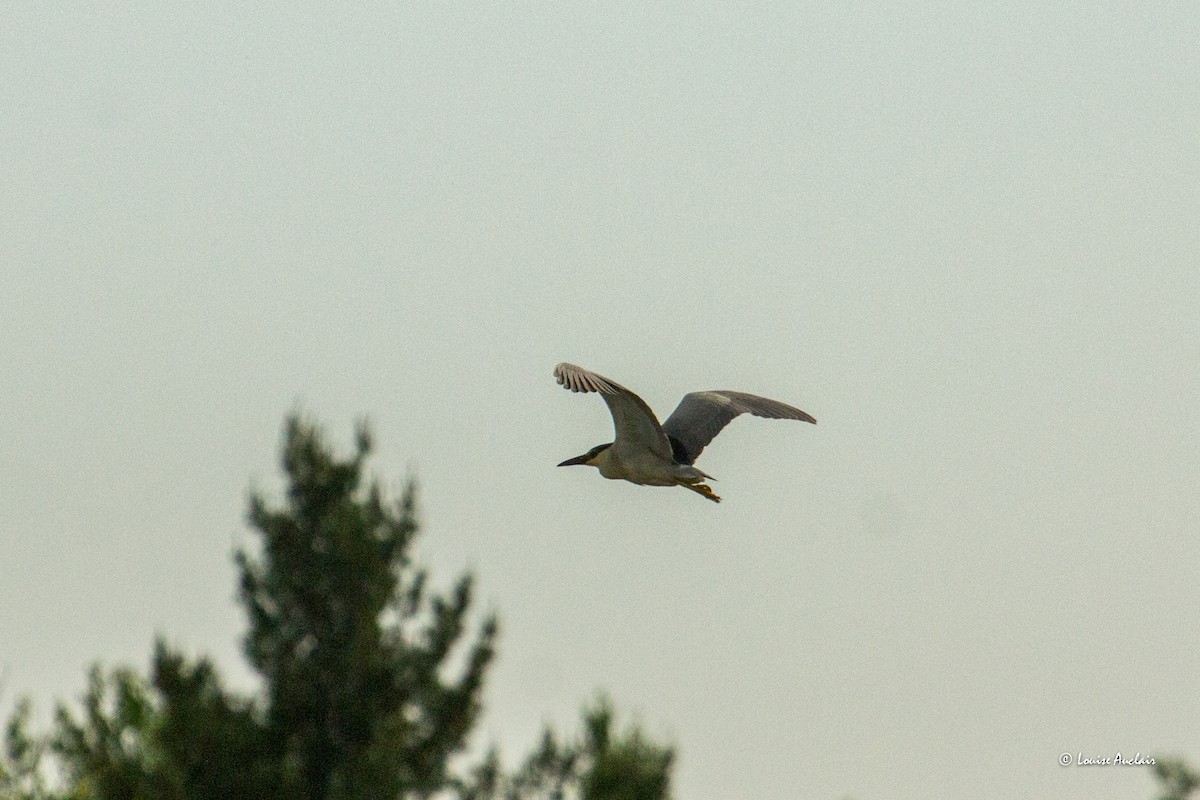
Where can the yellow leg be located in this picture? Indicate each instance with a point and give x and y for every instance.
(702, 489)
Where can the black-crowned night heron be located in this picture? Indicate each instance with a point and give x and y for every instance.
(650, 454)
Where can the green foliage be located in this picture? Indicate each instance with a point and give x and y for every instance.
(359, 700)
(349, 642)
(601, 765)
(110, 753)
(211, 743)
(177, 736)
(21, 765)
(629, 767)
(352, 648)
(1176, 779)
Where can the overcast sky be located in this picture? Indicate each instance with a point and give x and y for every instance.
(963, 236)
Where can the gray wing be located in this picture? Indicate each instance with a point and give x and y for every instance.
(633, 421)
(701, 416)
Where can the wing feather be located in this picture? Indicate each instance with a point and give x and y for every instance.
(700, 416)
(633, 421)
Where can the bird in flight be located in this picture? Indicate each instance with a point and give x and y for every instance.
(650, 454)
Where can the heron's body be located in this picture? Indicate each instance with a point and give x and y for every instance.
(647, 453)
(623, 461)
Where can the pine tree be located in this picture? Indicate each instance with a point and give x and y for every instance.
(352, 646)
(371, 681)
(110, 754)
(602, 764)
(210, 742)
(350, 643)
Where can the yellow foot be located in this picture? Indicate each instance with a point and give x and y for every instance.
(702, 489)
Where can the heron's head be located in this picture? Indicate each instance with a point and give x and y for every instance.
(588, 458)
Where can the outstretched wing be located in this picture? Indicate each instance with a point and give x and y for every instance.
(702, 415)
(633, 421)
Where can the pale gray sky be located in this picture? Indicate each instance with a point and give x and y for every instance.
(963, 236)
